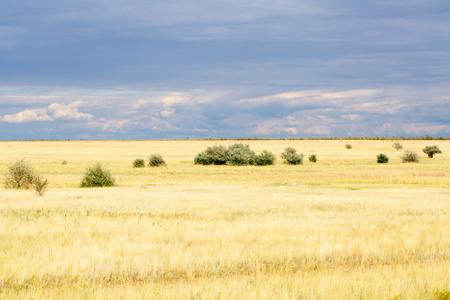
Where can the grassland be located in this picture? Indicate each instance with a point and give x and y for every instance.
(342, 228)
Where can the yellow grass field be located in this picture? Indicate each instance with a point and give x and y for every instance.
(342, 228)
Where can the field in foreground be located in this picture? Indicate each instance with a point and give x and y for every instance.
(342, 228)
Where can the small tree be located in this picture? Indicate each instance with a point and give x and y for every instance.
(291, 157)
(156, 160)
(138, 163)
(348, 146)
(21, 175)
(397, 146)
(313, 158)
(40, 184)
(382, 158)
(265, 158)
(431, 150)
(410, 156)
(97, 176)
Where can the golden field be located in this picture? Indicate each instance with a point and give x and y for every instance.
(342, 228)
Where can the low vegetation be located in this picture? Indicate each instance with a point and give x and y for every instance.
(313, 158)
(291, 157)
(345, 228)
(410, 156)
(348, 146)
(138, 163)
(382, 158)
(20, 175)
(97, 176)
(235, 155)
(156, 160)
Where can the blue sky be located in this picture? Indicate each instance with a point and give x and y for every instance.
(209, 69)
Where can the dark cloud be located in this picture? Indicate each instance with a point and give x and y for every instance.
(223, 68)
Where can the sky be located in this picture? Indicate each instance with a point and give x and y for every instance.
(135, 69)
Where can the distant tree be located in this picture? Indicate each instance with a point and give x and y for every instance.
(397, 146)
(431, 150)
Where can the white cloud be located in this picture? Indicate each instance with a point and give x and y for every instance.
(60, 111)
(28, 115)
(352, 117)
(55, 111)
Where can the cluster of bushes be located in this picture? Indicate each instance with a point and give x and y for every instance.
(241, 155)
(235, 155)
(155, 160)
(409, 155)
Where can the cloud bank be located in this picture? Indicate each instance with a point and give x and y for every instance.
(174, 69)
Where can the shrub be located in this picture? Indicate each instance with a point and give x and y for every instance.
(431, 150)
(40, 185)
(313, 158)
(97, 176)
(202, 159)
(240, 155)
(138, 163)
(348, 146)
(397, 146)
(410, 156)
(291, 157)
(217, 155)
(382, 158)
(156, 160)
(21, 175)
(265, 158)
(64, 162)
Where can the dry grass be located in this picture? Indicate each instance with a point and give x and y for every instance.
(344, 227)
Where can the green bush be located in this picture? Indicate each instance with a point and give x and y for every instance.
(397, 146)
(156, 160)
(410, 156)
(240, 155)
(97, 176)
(313, 158)
(291, 157)
(138, 163)
(265, 158)
(64, 162)
(382, 158)
(21, 175)
(202, 159)
(431, 150)
(348, 146)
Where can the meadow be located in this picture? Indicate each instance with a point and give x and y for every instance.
(344, 227)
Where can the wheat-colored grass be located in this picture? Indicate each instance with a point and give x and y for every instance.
(343, 228)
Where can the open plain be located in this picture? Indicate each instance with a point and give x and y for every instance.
(344, 227)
